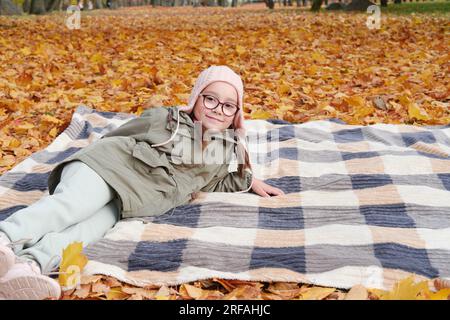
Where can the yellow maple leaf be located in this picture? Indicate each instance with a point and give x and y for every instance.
(97, 58)
(116, 82)
(50, 119)
(316, 293)
(283, 89)
(360, 108)
(405, 289)
(72, 264)
(14, 143)
(311, 70)
(427, 76)
(363, 111)
(415, 112)
(260, 114)
(442, 294)
(23, 127)
(53, 132)
(318, 57)
(240, 49)
(25, 51)
(116, 293)
(139, 110)
(355, 101)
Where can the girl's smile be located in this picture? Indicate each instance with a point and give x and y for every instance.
(213, 119)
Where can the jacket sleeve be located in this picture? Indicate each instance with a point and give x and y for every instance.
(134, 127)
(232, 182)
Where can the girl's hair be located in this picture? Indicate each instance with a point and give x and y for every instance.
(240, 150)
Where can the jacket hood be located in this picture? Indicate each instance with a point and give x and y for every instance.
(175, 113)
(212, 74)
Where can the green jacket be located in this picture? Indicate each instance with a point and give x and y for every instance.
(148, 180)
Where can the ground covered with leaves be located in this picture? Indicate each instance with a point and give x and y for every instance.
(100, 287)
(296, 65)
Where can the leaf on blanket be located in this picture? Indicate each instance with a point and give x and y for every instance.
(72, 264)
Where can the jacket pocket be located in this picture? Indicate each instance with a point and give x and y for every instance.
(154, 167)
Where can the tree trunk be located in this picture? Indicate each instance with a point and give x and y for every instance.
(8, 8)
(114, 4)
(26, 6)
(37, 7)
(270, 3)
(316, 5)
(98, 4)
(53, 5)
(384, 3)
(358, 5)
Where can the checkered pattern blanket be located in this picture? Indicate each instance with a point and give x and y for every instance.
(363, 205)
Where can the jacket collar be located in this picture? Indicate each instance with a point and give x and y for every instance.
(184, 117)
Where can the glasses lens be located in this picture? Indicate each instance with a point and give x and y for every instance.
(210, 102)
(229, 109)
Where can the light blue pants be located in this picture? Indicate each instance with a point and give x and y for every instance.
(82, 209)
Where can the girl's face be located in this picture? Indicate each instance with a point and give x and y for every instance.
(215, 119)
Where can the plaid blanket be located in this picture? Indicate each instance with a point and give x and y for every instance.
(363, 205)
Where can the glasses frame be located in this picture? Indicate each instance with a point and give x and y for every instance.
(204, 95)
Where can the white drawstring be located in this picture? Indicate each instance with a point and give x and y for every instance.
(173, 136)
(246, 190)
(49, 266)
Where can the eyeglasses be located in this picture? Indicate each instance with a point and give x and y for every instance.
(211, 102)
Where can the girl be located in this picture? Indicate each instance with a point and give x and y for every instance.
(133, 171)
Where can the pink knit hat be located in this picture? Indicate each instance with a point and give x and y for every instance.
(224, 74)
(206, 77)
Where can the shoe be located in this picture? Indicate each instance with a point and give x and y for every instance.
(7, 255)
(24, 281)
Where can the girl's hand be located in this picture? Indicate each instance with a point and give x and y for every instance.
(264, 190)
(195, 195)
